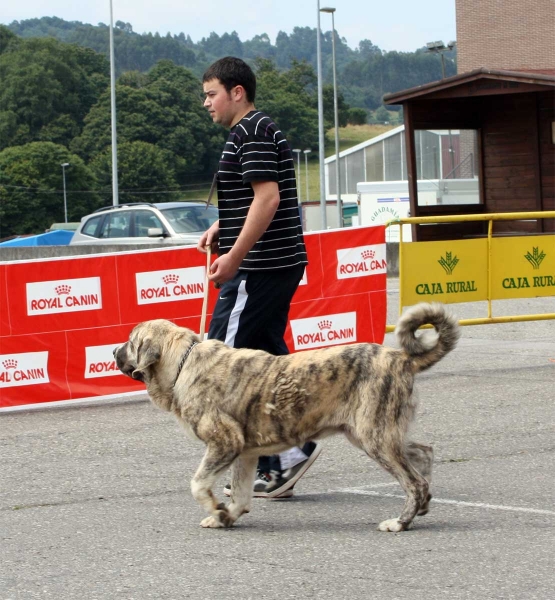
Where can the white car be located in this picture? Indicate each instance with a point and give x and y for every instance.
(136, 223)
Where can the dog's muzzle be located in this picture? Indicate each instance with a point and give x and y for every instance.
(120, 355)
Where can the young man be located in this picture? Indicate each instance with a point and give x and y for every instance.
(259, 239)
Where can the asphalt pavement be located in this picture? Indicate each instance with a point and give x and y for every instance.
(95, 501)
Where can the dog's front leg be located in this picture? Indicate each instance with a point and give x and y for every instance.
(212, 465)
(243, 472)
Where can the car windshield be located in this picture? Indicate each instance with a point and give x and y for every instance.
(188, 219)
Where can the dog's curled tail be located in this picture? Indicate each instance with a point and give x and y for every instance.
(429, 347)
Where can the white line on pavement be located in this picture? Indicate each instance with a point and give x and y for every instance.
(535, 511)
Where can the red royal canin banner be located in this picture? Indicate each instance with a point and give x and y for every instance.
(61, 318)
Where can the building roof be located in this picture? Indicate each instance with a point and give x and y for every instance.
(476, 83)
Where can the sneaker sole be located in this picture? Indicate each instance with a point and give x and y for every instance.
(281, 491)
(286, 494)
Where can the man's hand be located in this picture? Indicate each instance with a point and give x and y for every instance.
(260, 215)
(210, 238)
(224, 268)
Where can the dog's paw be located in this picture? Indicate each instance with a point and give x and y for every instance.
(394, 525)
(211, 523)
(221, 518)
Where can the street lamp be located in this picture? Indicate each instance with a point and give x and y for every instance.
(298, 151)
(439, 48)
(306, 153)
(321, 141)
(64, 165)
(336, 118)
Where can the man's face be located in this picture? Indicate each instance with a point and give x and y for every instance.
(219, 103)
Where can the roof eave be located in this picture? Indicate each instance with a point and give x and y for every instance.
(456, 80)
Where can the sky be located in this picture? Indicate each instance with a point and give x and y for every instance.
(402, 25)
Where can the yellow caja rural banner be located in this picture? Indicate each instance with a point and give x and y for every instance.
(523, 267)
(450, 271)
(457, 271)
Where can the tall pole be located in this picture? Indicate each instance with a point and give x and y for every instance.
(336, 118)
(321, 141)
(306, 153)
(115, 198)
(64, 165)
(297, 151)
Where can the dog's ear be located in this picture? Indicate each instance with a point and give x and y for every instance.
(148, 353)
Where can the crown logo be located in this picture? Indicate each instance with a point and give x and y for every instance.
(366, 254)
(535, 259)
(324, 324)
(9, 363)
(170, 278)
(63, 289)
(448, 262)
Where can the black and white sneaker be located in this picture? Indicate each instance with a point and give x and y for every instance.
(279, 484)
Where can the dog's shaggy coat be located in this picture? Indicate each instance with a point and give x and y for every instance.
(246, 403)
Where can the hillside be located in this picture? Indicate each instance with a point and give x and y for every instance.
(364, 74)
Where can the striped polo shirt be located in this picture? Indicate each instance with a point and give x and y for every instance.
(256, 150)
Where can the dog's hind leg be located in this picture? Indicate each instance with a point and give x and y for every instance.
(396, 462)
(215, 461)
(421, 458)
(243, 472)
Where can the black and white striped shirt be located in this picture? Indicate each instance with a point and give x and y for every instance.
(256, 150)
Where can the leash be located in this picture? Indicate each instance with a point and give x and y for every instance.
(206, 289)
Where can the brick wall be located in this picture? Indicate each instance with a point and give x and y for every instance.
(506, 34)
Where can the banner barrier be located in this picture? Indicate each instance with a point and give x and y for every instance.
(61, 318)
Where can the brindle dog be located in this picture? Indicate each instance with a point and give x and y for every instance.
(246, 403)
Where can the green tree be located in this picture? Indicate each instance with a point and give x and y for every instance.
(145, 173)
(163, 108)
(31, 188)
(48, 87)
(357, 116)
(6, 38)
(285, 97)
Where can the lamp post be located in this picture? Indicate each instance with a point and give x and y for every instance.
(336, 118)
(298, 151)
(64, 165)
(306, 153)
(115, 194)
(321, 140)
(439, 48)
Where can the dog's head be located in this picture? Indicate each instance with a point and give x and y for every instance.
(140, 352)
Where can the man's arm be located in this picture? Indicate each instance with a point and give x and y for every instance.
(260, 215)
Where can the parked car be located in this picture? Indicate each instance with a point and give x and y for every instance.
(135, 223)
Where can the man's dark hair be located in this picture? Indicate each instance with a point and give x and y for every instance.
(231, 71)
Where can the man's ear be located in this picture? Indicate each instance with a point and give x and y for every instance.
(239, 93)
(148, 354)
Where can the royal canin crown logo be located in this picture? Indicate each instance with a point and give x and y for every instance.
(171, 278)
(325, 324)
(62, 289)
(366, 254)
(9, 363)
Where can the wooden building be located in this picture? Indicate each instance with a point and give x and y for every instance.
(505, 121)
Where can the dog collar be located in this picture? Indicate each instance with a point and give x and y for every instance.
(185, 356)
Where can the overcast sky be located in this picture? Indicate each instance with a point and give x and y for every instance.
(403, 25)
